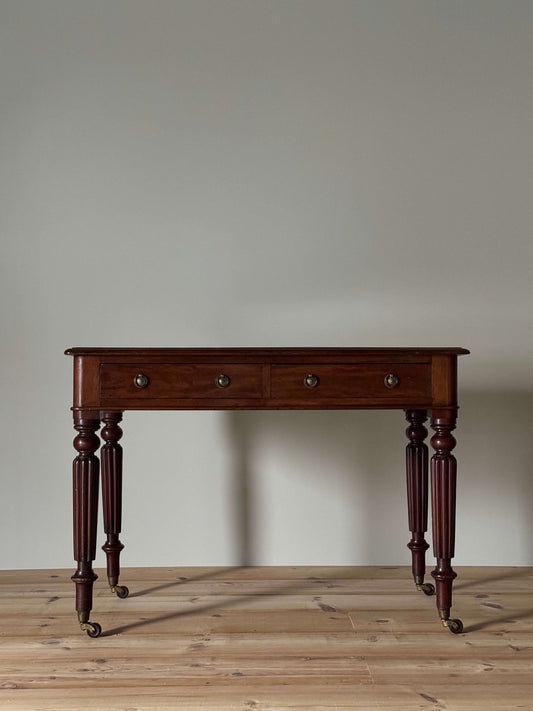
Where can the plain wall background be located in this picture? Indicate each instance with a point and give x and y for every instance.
(262, 173)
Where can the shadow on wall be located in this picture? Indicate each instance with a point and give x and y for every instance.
(495, 436)
(357, 458)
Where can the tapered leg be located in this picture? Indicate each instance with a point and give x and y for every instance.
(443, 493)
(417, 495)
(85, 487)
(111, 458)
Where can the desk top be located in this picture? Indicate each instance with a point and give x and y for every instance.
(265, 352)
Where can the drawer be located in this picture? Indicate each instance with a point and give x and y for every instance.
(410, 382)
(168, 380)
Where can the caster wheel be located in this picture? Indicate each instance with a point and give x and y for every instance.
(428, 589)
(455, 626)
(93, 629)
(121, 591)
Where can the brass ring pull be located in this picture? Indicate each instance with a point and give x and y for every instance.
(311, 381)
(391, 380)
(222, 381)
(141, 381)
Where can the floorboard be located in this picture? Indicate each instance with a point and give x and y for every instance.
(267, 639)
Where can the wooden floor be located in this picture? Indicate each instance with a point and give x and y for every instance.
(258, 639)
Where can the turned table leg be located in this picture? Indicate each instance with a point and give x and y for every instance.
(111, 459)
(443, 493)
(85, 488)
(417, 495)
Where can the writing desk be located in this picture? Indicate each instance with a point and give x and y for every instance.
(108, 381)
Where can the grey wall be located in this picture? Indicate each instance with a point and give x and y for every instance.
(222, 173)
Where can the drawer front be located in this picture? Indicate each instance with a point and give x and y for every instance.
(170, 381)
(393, 382)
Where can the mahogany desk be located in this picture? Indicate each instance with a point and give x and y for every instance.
(108, 381)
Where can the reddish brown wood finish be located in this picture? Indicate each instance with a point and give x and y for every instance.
(426, 377)
(111, 458)
(417, 490)
(420, 379)
(443, 489)
(85, 490)
(180, 381)
(339, 381)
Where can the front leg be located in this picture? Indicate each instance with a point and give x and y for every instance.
(85, 475)
(443, 493)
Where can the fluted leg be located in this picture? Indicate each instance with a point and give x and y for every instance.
(443, 493)
(85, 487)
(417, 495)
(111, 458)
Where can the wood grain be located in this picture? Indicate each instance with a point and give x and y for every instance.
(267, 639)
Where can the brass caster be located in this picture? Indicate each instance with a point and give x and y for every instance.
(93, 629)
(120, 591)
(454, 625)
(426, 588)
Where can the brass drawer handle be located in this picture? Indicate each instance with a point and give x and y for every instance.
(391, 380)
(311, 381)
(141, 381)
(222, 381)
